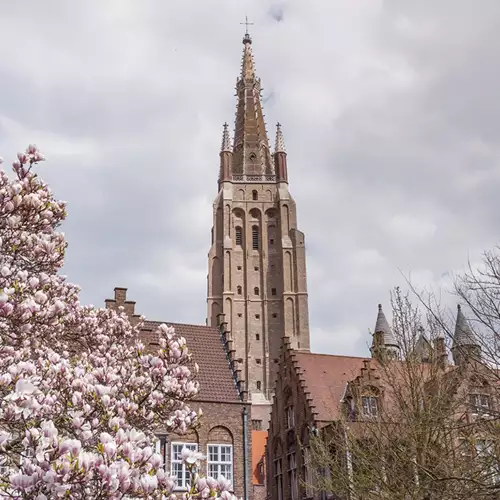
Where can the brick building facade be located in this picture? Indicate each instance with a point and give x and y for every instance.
(257, 268)
(322, 394)
(224, 435)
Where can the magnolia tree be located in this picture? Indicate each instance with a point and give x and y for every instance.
(80, 395)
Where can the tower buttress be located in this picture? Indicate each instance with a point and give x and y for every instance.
(257, 265)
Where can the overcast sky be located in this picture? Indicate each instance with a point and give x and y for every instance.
(391, 116)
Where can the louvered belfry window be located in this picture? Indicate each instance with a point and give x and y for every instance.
(239, 236)
(255, 237)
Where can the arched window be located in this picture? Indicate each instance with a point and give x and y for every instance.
(255, 195)
(259, 385)
(239, 290)
(239, 236)
(255, 237)
(256, 290)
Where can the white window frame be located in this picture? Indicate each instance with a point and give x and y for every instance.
(278, 477)
(219, 464)
(292, 475)
(478, 406)
(369, 407)
(162, 442)
(4, 469)
(290, 417)
(193, 446)
(308, 477)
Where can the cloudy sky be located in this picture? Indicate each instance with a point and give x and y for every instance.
(390, 111)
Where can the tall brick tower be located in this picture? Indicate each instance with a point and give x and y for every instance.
(257, 263)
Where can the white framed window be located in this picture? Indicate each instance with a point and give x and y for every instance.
(278, 478)
(4, 468)
(480, 403)
(179, 471)
(161, 448)
(485, 451)
(220, 461)
(290, 417)
(370, 406)
(292, 475)
(308, 477)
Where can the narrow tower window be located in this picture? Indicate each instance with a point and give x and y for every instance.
(239, 236)
(239, 290)
(273, 291)
(255, 237)
(256, 290)
(259, 385)
(255, 196)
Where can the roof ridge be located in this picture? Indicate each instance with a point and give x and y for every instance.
(331, 355)
(171, 323)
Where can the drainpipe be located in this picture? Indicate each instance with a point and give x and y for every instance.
(245, 453)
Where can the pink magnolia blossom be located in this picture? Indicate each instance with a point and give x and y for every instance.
(80, 396)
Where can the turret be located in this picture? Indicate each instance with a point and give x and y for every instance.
(384, 344)
(465, 346)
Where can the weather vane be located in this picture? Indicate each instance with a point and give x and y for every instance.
(247, 24)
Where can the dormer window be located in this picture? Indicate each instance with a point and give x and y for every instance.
(480, 403)
(370, 406)
(255, 195)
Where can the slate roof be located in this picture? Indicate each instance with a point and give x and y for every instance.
(325, 377)
(463, 333)
(382, 325)
(204, 342)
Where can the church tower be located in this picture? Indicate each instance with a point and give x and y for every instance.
(257, 263)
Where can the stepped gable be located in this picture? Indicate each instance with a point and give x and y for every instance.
(324, 378)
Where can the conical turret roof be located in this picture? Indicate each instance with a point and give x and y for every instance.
(382, 326)
(463, 333)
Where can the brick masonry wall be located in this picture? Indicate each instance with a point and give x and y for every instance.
(222, 423)
(282, 441)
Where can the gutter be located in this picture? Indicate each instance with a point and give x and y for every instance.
(245, 453)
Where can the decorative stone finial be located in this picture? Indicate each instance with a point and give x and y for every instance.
(280, 142)
(226, 140)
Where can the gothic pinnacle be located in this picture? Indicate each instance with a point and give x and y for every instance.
(226, 140)
(247, 65)
(279, 146)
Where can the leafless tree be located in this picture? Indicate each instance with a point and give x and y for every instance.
(417, 426)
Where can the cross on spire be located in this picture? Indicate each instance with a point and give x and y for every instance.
(246, 23)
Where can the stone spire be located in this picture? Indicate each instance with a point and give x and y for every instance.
(384, 343)
(226, 156)
(280, 164)
(247, 64)
(226, 140)
(279, 146)
(465, 345)
(252, 156)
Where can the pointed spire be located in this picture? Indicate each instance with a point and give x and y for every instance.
(247, 64)
(463, 333)
(382, 326)
(279, 146)
(226, 140)
(252, 155)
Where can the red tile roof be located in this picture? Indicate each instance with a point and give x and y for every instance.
(325, 378)
(215, 376)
